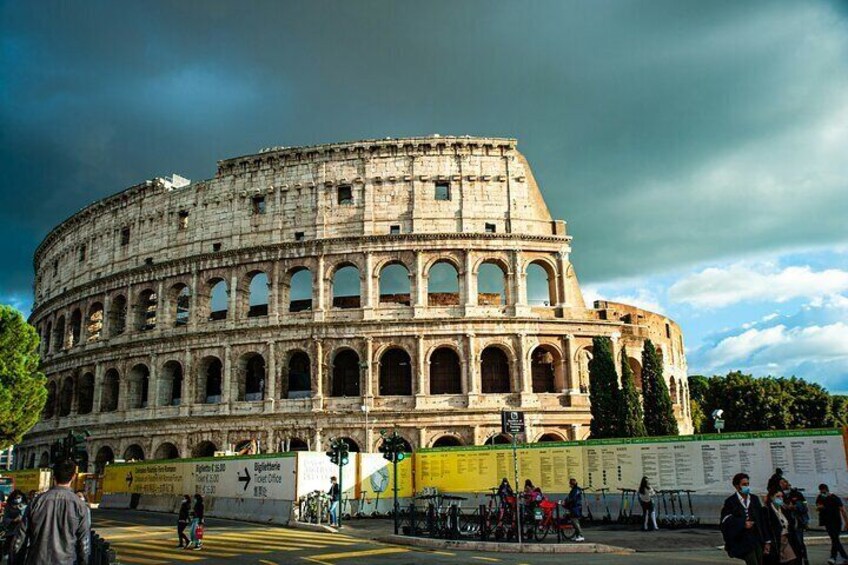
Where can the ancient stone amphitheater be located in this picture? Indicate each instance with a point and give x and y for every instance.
(329, 291)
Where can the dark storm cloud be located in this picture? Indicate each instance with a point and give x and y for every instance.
(664, 132)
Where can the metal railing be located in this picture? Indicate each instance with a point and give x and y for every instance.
(101, 551)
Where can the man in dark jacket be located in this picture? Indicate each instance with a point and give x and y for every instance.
(59, 528)
(574, 503)
(741, 523)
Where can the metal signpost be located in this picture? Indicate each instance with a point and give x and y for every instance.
(512, 422)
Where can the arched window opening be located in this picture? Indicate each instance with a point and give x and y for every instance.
(672, 391)
(44, 460)
(171, 384)
(445, 372)
(50, 405)
(447, 441)
(491, 285)
(300, 290)
(395, 373)
(181, 299)
(258, 300)
(76, 328)
(204, 449)
(104, 456)
(59, 335)
(297, 444)
(218, 300)
(94, 325)
(394, 285)
(300, 379)
(499, 439)
(118, 315)
(167, 451)
(443, 285)
(636, 367)
(48, 337)
(66, 397)
(494, 371)
(541, 285)
(352, 446)
(543, 369)
(145, 311)
(346, 287)
(210, 374)
(134, 453)
(111, 390)
(346, 373)
(139, 383)
(547, 438)
(406, 447)
(251, 377)
(85, 395)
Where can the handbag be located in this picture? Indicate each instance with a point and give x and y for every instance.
(198, 531)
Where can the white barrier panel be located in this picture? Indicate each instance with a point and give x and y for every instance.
(314, 470)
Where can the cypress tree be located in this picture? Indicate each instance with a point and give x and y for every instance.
(630, 405)
(659, 413)
(603, 390)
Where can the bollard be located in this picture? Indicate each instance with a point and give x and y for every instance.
(558, 524)
(413, 521)
(483, 522)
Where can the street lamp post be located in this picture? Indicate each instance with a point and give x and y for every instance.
(366, 409)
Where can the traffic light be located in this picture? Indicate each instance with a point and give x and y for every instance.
(392, 447)
(333, 452)
(343, 452)
(338, 452)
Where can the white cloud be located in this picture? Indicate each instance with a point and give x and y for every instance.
(716, 287)
(641, 298)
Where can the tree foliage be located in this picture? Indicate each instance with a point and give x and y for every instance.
(22, 386)
(768, 403)
(659, 412)
(630, 405)
(603, 390)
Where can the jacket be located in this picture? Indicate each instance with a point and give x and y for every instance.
(58, 530)
(184, 511)
(773, 531)
(574, 501)
(739, 541)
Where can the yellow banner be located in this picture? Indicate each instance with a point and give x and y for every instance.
(156, 477)
(30, 479)
(376, 475)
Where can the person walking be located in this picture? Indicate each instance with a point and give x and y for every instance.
(14, 524)
(197, 524)
(574, 504)
(58, 527)
(831, 515)
(795, 509)
(182, 522)
(646, 500)
(781, 542)
(741, 523)
(335, 499)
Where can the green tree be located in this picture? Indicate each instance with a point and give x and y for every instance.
(22, 386)
(838, 411)
(603, 390)
(698, 388)
(659, 412)
(630, 405)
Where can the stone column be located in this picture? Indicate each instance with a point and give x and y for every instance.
(271, 378)
(226, 384)
(422, 437)
(571, 376)
(419, 301)
(163, 316)
(106, 330)
(99, 372)
(368, 373)
(189, 384)
(318, 379)
(422, 367)
(193, 318)
(562, 280)
(316, 440)
(521, 308)
(469, 285)
(232, 300)
(274, 294)
(616, 354)
(471, 383)
(153, 384)
(318, 291)
(368, 280)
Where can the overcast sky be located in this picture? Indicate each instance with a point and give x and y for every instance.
(697, 150)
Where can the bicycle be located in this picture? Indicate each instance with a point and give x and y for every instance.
(545, 522)
(502, 522)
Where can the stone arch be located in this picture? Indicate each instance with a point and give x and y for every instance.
(44, 460)
(541, 280)
(170, 384)
(204, 449)
(395, 288)
(346, 373)
(492, 282)
(345, 278)
(85, 394)
(299, 376)
(498, 439)
(138, 386)
(104, 456)
(447, 440)
(118, 315)
(31, 463)
(395, 372)
(145, 310)
(75, 329)
(111, 391)
(352, 444)
(636, 367)
(166, 450)
(298, 289)
(550, 437)
(258, 293)
(546, 368)
(179, 301)
(406, 445)
(48, 337)
(251, 377)
(134, 452)
(218, 298)
(443, 283)
(495, 373)
(59, 334)
(94, 322)
(672, 390)
(297, 444)
(66, 397)
(445, 371)
(210, 380)
(50, 405)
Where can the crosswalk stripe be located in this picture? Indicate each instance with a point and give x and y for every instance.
(168, 556)
(287, 538)
(364, 553)
(262, 540)
(208, 551)
(140, 560)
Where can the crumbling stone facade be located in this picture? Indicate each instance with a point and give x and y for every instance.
(184, 318)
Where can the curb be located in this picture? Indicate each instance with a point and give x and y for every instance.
(498, 547)
(312, 527)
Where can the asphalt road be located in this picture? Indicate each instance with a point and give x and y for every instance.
(144, 538)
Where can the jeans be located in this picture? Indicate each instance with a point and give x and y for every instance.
(181, 526)
(835, 544)
(334, 513)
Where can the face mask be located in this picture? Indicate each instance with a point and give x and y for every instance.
(778, 502)
(745, 490)
(17, 501)
(823, 493)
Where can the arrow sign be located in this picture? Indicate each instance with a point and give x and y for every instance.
(245, 479)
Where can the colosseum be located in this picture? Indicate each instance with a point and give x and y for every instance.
(305, 293)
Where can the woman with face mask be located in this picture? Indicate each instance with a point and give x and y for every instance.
(780, 531)
(14, 524)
